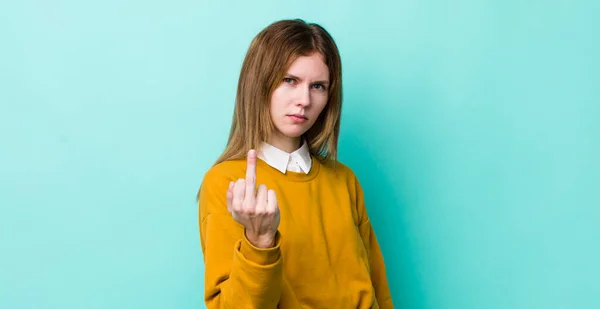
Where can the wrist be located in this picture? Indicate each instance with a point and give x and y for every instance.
(261, 256)
(261, 241)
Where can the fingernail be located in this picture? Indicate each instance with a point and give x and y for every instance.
(251, 152)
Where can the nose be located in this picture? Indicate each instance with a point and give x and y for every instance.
(303, 98)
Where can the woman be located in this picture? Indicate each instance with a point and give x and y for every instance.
(282, 223)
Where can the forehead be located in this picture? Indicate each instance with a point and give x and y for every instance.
(309, 67)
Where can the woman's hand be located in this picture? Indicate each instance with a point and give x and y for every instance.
(258, 213)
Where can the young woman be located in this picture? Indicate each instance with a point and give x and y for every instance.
(283, 224)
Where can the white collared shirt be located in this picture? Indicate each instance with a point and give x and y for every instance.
(297, 161)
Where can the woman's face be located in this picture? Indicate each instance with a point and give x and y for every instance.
(297, 102)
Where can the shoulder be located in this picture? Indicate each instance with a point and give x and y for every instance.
(231, 169)
(213, 188)
(338, 168)
(340, 171)
(218, 176)
(345, 174)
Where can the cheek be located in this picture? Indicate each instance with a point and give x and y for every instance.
(273, 107)
(319, 105)
(277, 102)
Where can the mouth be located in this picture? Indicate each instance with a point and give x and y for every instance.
(298, 117)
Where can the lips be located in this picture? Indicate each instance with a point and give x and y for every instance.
(297, 118)
(300, 116)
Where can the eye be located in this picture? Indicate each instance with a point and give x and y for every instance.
(319, 86)
(288, 80)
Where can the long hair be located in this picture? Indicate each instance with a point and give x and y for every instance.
(270, 54)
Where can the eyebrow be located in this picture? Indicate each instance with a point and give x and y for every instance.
(326, 82)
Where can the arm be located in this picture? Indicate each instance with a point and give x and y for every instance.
(237, 274)
(378, 272)
(376, 261)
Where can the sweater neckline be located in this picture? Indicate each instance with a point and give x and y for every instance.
(289, 175)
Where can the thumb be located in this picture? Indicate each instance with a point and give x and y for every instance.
(229, 196)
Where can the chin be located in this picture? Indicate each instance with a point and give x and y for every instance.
(293, 132)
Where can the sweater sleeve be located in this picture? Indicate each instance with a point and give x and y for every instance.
(376, 261)
(378, 272)
(237, 274)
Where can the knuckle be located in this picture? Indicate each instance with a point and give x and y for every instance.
(236, 201)
(248, 205)
(236, 207)
(260, 208)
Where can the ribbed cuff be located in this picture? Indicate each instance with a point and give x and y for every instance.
(261, 256)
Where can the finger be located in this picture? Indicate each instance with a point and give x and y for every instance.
(271, 201)
(251, 175)
(238, 195)
(230, 195)
(261, 199)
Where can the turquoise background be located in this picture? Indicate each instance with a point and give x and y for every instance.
(473, 126)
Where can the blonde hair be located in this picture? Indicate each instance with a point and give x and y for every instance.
(270, 54)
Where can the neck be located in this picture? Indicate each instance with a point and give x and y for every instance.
(287, 144)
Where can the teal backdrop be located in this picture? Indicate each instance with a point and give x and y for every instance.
(472, 125)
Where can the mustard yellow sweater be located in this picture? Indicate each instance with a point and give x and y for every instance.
(326, 253)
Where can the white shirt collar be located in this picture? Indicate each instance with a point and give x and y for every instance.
(297, 161)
